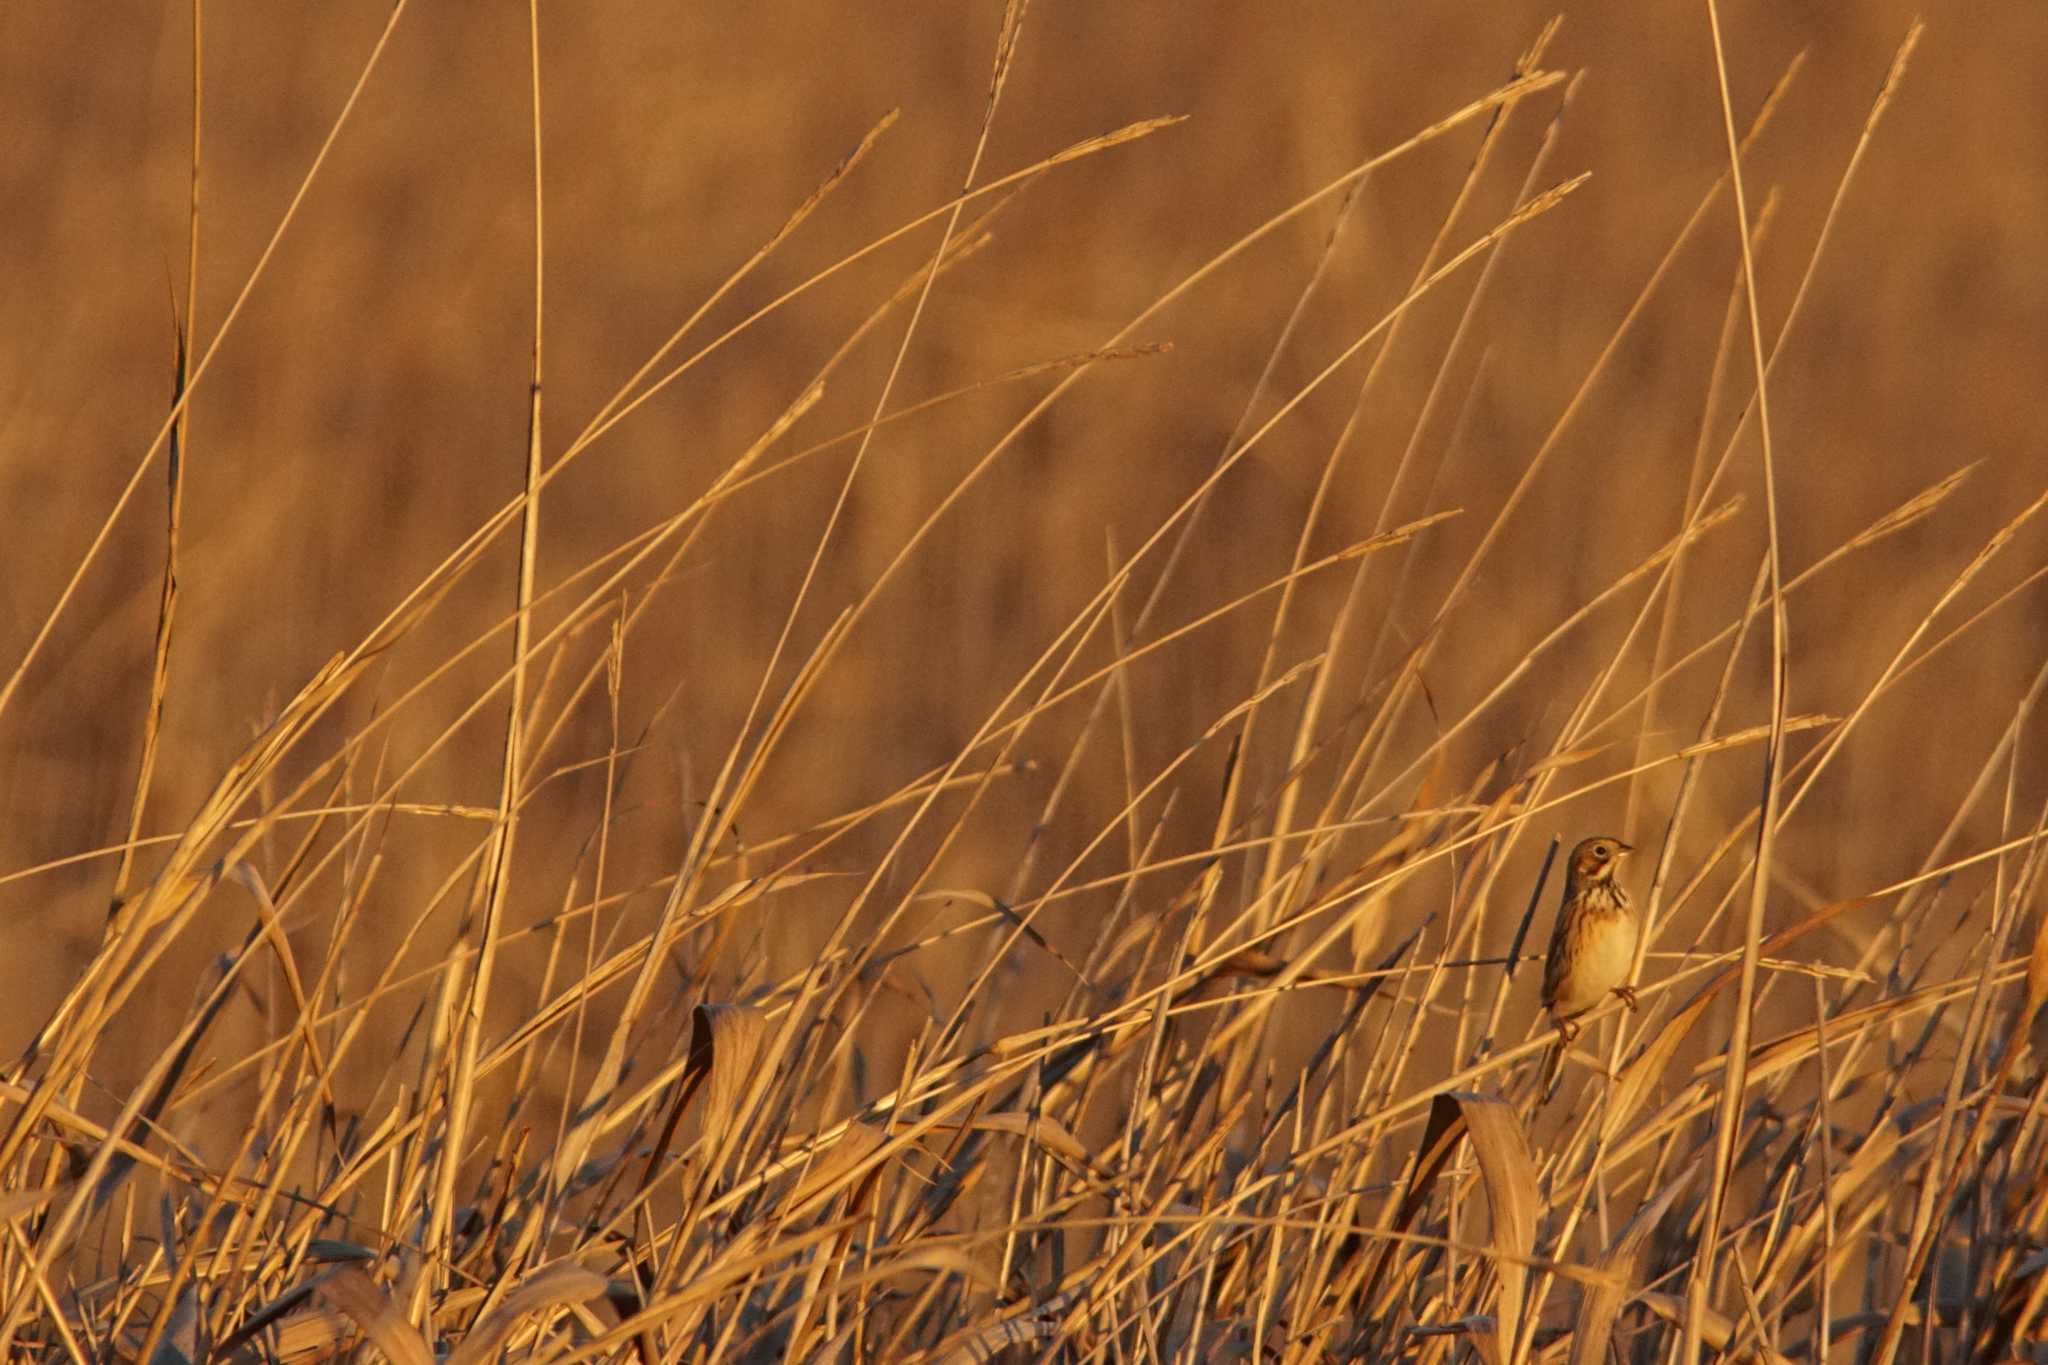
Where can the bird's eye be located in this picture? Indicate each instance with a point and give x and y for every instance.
(1601, 851)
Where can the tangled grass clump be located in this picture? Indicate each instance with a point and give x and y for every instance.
(1127, 1024)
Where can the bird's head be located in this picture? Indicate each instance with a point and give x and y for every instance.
(1596, 859)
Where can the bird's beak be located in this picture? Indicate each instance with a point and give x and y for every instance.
(1625, 848)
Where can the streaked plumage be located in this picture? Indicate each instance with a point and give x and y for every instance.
(1592, 947)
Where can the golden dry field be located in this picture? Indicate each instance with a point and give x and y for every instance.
(906, 682)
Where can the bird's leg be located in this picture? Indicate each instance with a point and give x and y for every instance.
(1628, 996)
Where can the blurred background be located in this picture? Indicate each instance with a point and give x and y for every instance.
(368, 409)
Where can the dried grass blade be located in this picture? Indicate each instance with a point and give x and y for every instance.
(1647, 1067)
(1715, 1329)
(995, 905)
(1439, 1139)
(848, 1149)
(976, 1345)
(1045, 1131)
(1481, 1329)
(2037, 971)
(1601, 1304)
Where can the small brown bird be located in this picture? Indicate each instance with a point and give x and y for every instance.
(1592, 948)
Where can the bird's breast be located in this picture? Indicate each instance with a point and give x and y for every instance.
(1600, 961)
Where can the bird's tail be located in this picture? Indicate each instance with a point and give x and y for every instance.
(1553, 1071)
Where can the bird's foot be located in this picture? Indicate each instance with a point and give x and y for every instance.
(1628, 997)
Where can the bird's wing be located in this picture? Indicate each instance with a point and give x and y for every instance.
(1554, 962)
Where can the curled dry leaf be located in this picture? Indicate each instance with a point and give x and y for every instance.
(725, 1049)
(376, 1316)
(1512, 1200)
(1512, 1197)
(560, 1283)
(726, 1042)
